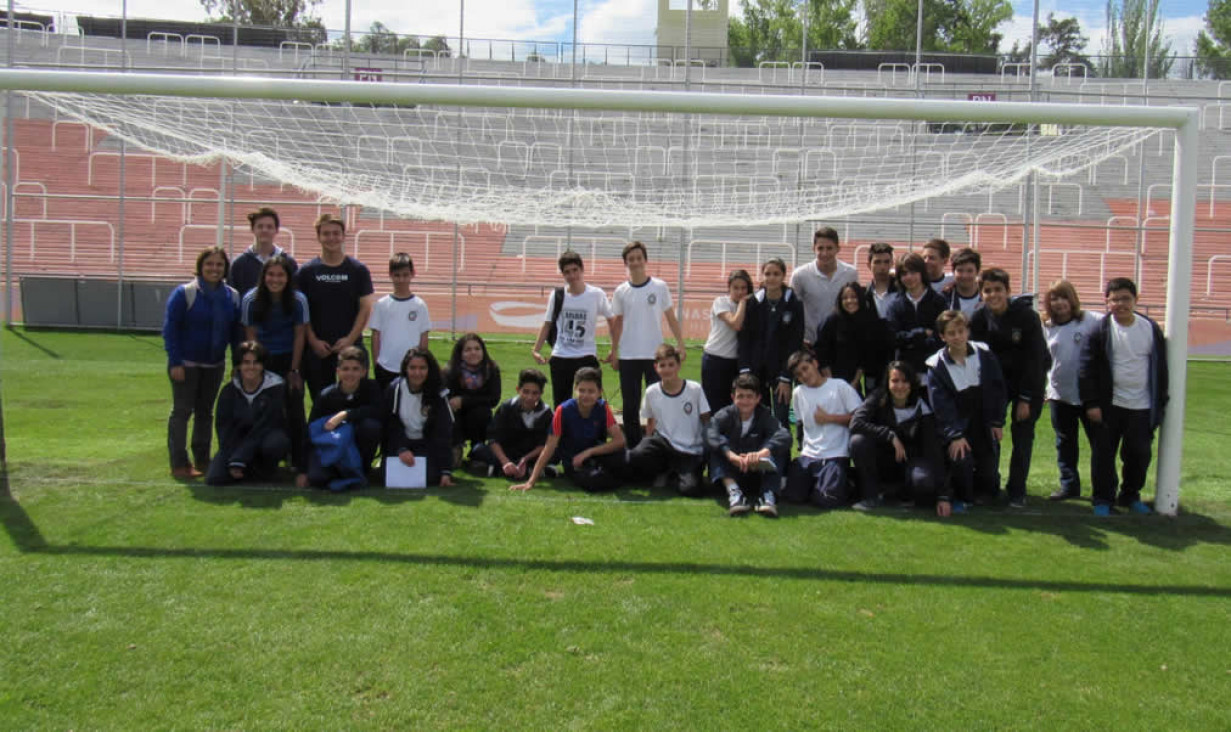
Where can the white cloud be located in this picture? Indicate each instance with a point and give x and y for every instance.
(1182, 32)
(619, 21)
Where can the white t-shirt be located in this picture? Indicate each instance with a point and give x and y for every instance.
(677, 417)
(642, 307)
(1130, 363)
(882, 300)
(968, 305)
(819, 292)
(827, 440)
(723, 341)
(939, 285)
(410, 411)
(578, 322)
(1065, 343)
(400, 324)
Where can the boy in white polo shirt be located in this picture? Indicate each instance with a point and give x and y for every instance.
(823, 406)
(677, 412)
(399, 321)
(638, 306)
(573, 312)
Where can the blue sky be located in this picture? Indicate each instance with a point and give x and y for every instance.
(600, 21)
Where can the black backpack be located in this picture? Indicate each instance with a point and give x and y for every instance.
(557, 304)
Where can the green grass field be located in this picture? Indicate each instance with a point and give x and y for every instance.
(134, 602)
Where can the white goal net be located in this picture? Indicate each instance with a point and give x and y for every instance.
(596, 168)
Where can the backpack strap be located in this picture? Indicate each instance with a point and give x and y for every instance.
(191, 289)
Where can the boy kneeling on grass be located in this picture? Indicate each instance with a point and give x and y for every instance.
(580, 429)
(824, 407)
(749, 449)
(518, 431)
(674, 446)
(968, 395)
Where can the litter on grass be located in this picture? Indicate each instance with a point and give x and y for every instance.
(582, 521)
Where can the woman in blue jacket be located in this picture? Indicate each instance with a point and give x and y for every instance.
(202, 319)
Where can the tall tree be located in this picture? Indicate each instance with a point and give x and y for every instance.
(1060, 42)
(1126, 45)
(279, 13)
(772, 30)
(1214, 48)
(955, 26)
(381, 39)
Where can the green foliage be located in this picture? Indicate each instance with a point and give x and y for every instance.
(380, 39)
(1125, 51)
(1213, 48)
(949, 26)
(439, 45)
(772, 30)
(277, 13)
(1060, 42)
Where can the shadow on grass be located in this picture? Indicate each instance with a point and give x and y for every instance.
(23, 334)
(1185, 531)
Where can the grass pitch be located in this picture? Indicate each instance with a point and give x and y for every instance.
(132, 601)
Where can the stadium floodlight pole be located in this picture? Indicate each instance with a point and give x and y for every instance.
(1034, 177)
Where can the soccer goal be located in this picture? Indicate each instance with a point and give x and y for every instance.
(573, 157)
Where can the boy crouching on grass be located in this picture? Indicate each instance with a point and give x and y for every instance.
(518, 431)
(824, 407)
(590, 441)
(968, 396)
(674, 445)
(749, 449)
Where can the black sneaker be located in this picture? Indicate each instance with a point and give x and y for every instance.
(551, 471)
(768, 505)
(738, 506)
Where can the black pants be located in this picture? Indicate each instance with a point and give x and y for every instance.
(917, 479)
(383, 376)
(320, 373)
(599, 473)
(296, 421)
(978, 473)
(1064, 420)
(1128, 431)
(717, 373)
(821, 482)
(655, 456)
(1023, 447)
(769, 397)
(260, 462)
(193, 397)
(470, 425)
(562, 372)
(632, 373)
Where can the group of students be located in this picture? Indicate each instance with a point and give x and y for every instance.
(910, 377)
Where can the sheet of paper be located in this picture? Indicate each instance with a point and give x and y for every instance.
(399, 475)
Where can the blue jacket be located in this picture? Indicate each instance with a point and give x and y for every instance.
(910, 325)
(1095, 379)
(946, 399)
(200, 333)
(337, 450)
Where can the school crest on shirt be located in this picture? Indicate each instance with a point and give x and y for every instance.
(688, 408)
(1016, 336)
(1078, 336)
(652, 299)
(412, 316)
(786, 318)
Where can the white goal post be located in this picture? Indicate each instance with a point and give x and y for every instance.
(1184, 120)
